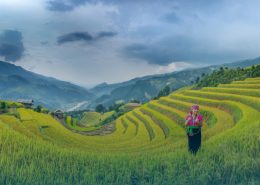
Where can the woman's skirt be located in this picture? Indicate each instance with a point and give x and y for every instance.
(194, 141)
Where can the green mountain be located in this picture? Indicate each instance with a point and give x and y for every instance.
(18, 83)
(145, 88)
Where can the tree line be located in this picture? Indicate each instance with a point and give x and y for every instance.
(225, 75)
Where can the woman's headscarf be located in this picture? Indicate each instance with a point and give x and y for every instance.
(195, 107)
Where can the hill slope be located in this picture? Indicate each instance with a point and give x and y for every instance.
(145, 88)
(18, 83)
(148, 147)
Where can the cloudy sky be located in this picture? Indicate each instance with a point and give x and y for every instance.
(93, 41)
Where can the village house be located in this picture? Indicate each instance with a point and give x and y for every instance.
(28, 103)
(59, 114)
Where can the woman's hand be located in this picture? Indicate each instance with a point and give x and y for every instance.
(187, 121)
(189, 118)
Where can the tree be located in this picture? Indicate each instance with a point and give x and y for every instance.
(164, 92)
(38, 108)
(100, 108)
(116, 106)
(134, 101)
(197, 79)
(4, 106)
(228, 75)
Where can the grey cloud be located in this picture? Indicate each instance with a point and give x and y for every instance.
(68, 5)
(83, 36)
(65, 5)
(177, 48)
(152, 54)
(44, 43)
(162, 52)
(58, 6)
(76, 36)
(171, 18)
(106, 34)
(11, 45)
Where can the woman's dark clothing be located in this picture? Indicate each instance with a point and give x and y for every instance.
(194, 140)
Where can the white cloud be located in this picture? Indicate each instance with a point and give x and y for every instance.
(175, 66)
(18, 4)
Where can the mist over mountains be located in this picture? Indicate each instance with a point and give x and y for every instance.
(18, 83)
(147, 87)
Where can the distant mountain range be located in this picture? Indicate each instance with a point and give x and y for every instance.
(18, 83)
(147, 87)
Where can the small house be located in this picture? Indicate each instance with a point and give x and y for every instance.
(28, 103)
(59, 114)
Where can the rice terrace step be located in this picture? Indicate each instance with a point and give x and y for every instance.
(149, 130)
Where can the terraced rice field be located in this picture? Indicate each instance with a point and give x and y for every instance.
(149, 145)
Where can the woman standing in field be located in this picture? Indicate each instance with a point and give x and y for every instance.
(193, 125)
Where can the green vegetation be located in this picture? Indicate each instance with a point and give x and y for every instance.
(119, 109)
(89, 122)
(41, 109)
(163, 92)
(73, 124)
(149, 145)
(226, 75)
(3, 107)
(100, 108)
(94, 118)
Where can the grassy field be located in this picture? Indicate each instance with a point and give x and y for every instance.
(149, 145)
(94, 118)
(89, 122)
